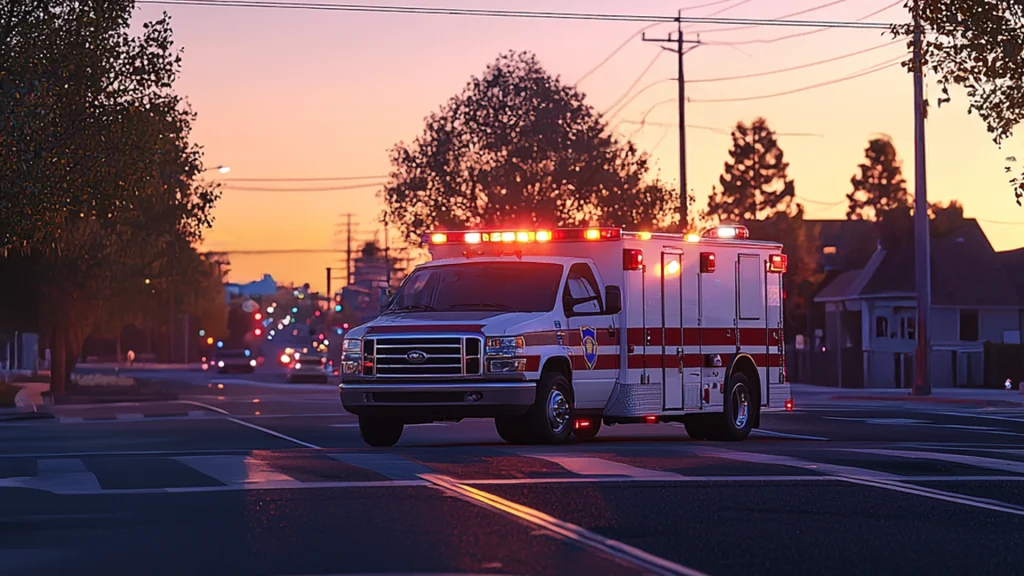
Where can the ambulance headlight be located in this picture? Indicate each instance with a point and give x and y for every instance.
(506, 346)
(351, 346)
(506, 365)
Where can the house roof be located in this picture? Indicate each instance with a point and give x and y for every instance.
(854, 241)
(965, 271)
(840, 287)
(1013, 263)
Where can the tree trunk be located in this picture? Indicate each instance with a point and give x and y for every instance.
(119, 356)
(58, 363)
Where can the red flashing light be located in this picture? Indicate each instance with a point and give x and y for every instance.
(778, 263)
(522, 236)
(707, 262)
(582, 424)
(258, 316)
(789, 405)
(632, 259)
(651, 419)
(258, 332)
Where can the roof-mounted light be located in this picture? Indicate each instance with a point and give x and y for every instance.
(729, 232)
(522, 236)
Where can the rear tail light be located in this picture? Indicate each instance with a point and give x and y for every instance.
(632, 259)
(789, 405)
(778, 263)
(707, 262)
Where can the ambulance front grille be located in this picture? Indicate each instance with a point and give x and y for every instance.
(426, 356)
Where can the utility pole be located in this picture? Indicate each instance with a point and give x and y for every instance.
(387, 250)
(348, 248)
(329, 293)
(922, 243)
(679, 50)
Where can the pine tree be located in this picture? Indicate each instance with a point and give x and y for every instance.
(879, 188)
(755, 184)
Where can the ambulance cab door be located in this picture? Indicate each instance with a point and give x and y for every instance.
(671, 276)
(592, 338)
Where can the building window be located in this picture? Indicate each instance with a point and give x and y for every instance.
(828, 250)
(881, 327)
(968, 325)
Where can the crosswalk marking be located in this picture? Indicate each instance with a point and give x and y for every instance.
(59, 475)
(976, 461)
(388, 465)
(761, 458)
(230, 470)
(587, 466)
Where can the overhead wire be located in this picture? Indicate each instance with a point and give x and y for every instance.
(635, 82)
(720, 131)
(518, 14)
(722, 11)
(782, 17)
(877, 68)
(320, 189)
(807, 32)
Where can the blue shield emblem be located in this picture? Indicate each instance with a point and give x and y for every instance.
(589, 341)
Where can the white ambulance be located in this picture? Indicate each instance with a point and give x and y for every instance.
(554, 332)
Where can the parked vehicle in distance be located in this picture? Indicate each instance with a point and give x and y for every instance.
(236, 361)
(308, 367)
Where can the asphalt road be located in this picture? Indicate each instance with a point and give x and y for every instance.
(243, 476)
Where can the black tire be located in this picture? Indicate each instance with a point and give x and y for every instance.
(380, 433)
(549, 420)
(588, 433)
(697, 426)
(512, 429)
(737, 419)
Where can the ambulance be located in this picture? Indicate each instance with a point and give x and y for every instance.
(553, 333)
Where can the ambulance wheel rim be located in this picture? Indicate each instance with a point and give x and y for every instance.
(740, 406)
(558, 411)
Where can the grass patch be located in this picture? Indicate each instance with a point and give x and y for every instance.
(107, 381)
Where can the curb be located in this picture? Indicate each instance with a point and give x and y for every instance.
(928, 400)
(15, 416)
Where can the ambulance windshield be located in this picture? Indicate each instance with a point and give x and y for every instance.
(499, 286)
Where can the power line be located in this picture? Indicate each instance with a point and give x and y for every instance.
(1001, 222)
(635, 82)
(808, 32)
(320, 189)
(519, 14)
(722, 11)
(720, 131)
(784, 16)
(876, 68)
(638, 93)
(798, 67)
(330, 179)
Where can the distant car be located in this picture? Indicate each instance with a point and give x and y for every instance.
(308, 367)
(236, 361)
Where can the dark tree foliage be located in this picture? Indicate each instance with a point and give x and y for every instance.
(97, 173)
(754, 184)
(979, 46)
(879, 187)
(519, 147)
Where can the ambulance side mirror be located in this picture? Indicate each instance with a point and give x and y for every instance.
(612, 299)
(385, 297)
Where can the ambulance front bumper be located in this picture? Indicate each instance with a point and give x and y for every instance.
(429, 401)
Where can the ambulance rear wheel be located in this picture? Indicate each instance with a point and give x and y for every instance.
(549, 420)
(512, 429)
(380, 433)
(737, 418)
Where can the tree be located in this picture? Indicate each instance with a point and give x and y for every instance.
(977, 45)
(518, 147)
(98, 173)
(946, 218)
(880, 186)
(754, 184)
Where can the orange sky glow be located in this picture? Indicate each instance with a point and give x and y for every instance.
(303, 94)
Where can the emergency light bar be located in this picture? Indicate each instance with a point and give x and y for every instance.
(731, 232)
(522, 236)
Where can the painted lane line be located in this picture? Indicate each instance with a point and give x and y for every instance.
(124, 453)
(624, 479)
(231, 470)
(763, 432)
(986, 504)
(976, 461)
(624, 553)
(293, 485)
(820, 467)
(586, 466)
(986, 416)
(253, 426)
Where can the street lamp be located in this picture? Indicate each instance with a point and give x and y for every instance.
(221, 169)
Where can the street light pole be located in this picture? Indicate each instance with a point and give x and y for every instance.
(922, 248)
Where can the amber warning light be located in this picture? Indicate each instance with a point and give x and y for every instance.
(522, 236)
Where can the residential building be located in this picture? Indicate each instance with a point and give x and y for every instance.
(870, 330)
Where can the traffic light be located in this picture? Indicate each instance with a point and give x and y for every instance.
(209, 341)
(338, 308)
(295, 310)
(344, 326)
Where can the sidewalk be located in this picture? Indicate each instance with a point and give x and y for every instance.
(137, 366)
(808, 394)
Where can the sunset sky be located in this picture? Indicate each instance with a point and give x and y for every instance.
(315, 94)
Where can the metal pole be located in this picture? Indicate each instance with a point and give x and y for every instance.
(922, 249)
(329, 294)
(683, 220)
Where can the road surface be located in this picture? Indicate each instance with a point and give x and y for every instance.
(243, 476)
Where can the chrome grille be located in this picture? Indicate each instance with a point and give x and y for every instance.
(426, 356)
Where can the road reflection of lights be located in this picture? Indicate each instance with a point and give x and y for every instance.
(220, 386)
(256, 400)
(257, 413)
(220, 397)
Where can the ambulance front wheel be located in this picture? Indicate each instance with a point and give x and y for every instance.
(380, 433)
(737, 418)
(549, 420)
